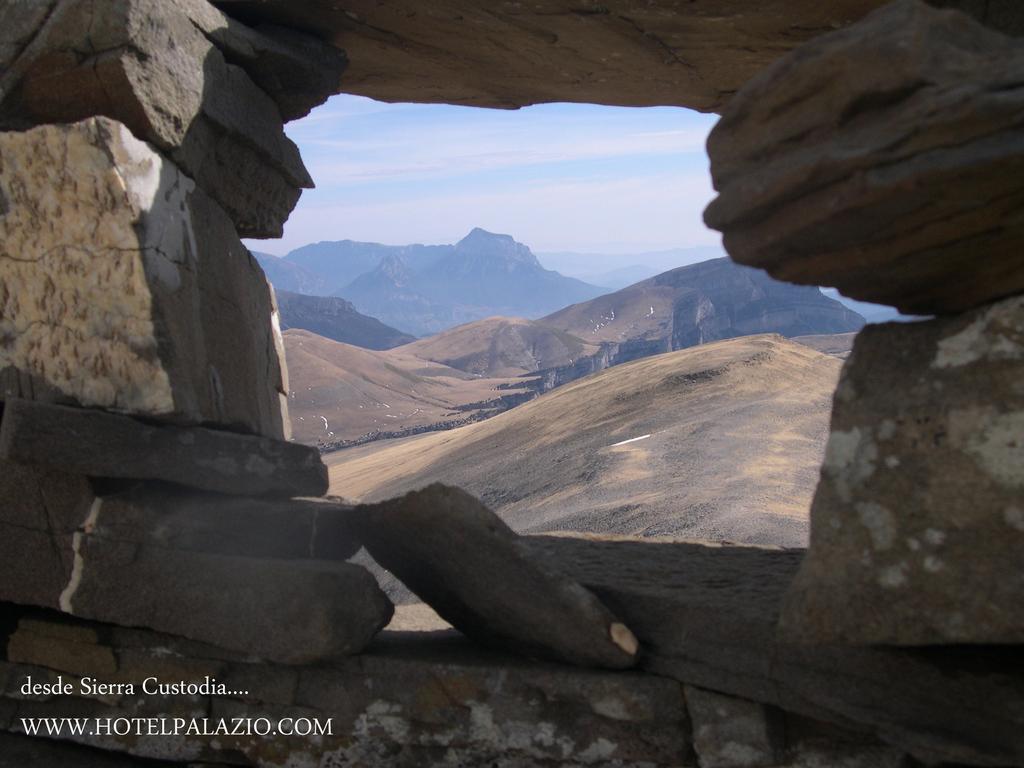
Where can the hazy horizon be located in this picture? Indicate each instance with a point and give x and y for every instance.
(557, 177)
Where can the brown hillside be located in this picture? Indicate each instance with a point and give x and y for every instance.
(502, 346)
(341, 392)
(732, 440)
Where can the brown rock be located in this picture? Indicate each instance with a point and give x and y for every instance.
(881, 159)
(917, 526)
(180, 75)
(125, 287)
(99, 444)
(629, 52)
(475, 572)
(62, 654)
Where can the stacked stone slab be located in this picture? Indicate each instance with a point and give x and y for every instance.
(207, 91)
(895, 172)
(145, 474)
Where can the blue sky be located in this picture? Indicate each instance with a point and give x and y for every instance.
(556, 176)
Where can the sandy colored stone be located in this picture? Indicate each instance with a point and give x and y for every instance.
(467, 564)
(125, 287)
(63, 655)
(885, 160)
(917, 526)
(181, 76)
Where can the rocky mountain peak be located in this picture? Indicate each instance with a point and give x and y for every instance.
(493, 247)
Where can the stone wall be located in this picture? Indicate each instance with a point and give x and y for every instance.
(895, 174)
(154, 520)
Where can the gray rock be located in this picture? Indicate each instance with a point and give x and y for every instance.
(180, 75)
(130, 290)
(126, 572)
(176, 518)
(99, 444)
(707, 616)
(733, 733)
(475, 572)
(881, 159)
(41, 510)
(410, 701)
(289, 612)
(17, 751)
(917, 526)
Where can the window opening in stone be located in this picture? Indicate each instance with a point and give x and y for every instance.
(456, 268)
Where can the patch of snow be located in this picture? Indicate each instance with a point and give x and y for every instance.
(631, 440)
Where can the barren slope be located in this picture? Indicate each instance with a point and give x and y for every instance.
(502, 346)
(836, 344)
(698, 303)
(341, 392)
(732, 439)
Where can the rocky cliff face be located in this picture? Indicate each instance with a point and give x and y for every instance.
(335, 318)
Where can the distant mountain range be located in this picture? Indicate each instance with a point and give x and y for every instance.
(610, 270)
(680, 308)
(423, 289)
(695, 304)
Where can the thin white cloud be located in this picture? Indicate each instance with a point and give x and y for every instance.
(560, 215)
(557, 177)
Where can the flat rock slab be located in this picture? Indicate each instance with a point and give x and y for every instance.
(284, 611)
(707, 615)
(883, 160)
(42, 510)
(125, 287)
(100, 444)
(478, 575)
(917, 525)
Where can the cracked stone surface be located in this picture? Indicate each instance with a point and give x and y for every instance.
(206, 90)
(917, 526)
(125, 287)
(215, 569)
(883, 160)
